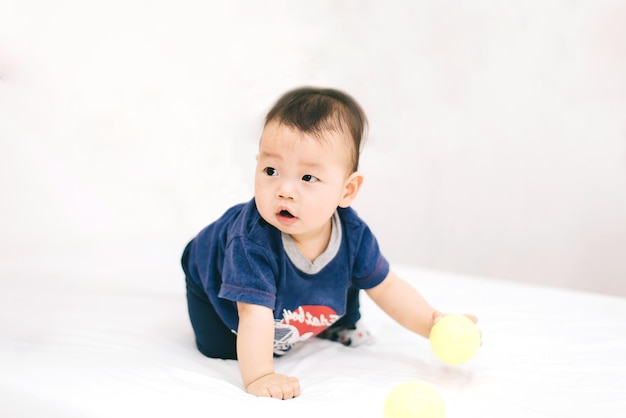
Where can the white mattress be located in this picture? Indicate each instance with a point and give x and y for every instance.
(106, 334)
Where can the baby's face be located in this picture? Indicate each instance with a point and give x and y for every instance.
(300, 179)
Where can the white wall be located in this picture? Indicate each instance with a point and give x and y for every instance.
(497, 143)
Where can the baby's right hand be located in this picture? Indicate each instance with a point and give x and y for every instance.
(275, 386)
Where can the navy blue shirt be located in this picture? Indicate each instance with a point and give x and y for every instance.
(242, 258)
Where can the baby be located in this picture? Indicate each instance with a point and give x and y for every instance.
(290, 264)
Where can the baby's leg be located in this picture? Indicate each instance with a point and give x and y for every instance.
(213, 337)
(348, 330)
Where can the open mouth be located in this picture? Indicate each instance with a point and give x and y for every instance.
(285, 213)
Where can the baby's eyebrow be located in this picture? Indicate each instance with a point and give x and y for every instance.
(305, 164)
(311, 164)
(267, 154)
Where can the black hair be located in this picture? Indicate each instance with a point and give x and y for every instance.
(315, 110)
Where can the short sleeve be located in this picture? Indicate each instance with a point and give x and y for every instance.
(370, 266)
(249, 273)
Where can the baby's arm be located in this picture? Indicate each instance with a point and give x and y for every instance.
(404, 304)
(255, 341)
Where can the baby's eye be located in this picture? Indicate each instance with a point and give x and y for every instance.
(309, 178)
(270, 171)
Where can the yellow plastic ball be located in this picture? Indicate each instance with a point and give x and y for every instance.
(414, 400)
(455, 339)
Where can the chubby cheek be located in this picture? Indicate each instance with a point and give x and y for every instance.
(263, 202)
(319, 208)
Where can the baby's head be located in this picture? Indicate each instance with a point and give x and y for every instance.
(308, 159)
(314, 111)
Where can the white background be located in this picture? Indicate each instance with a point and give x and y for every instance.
(497, 139)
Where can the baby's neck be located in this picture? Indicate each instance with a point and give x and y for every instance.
(313, 245)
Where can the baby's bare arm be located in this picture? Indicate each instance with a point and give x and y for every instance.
(255, 341)
(404, 304)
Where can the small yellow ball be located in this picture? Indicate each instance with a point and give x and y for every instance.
(455, 339)
(414, 400)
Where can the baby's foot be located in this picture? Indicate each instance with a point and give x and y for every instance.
(351, 335)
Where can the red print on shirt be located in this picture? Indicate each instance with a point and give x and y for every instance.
(310, 319)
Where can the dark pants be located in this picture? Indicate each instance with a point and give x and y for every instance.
(213, 338)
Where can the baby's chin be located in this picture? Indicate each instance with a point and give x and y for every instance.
(286, 229)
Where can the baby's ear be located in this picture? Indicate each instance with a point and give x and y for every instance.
(351, 189)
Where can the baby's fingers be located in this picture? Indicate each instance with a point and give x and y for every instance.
(290, 389)
(474, 318)
(282, 392)
(275, 386)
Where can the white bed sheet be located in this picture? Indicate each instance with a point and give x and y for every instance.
(106, 334)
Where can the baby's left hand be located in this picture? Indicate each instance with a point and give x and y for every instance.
(438, 315)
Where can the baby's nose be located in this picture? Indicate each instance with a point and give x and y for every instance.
(287, 191)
